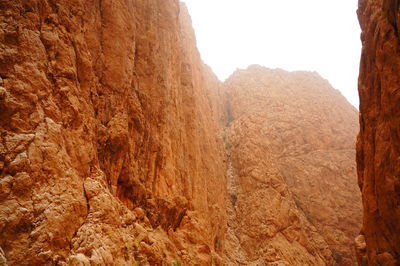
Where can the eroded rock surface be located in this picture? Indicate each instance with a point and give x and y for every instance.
(378, 146)
(292, 140)
(109, 152)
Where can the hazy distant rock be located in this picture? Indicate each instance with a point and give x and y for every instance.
(293, 148)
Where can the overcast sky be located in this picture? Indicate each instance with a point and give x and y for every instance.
(316, 35)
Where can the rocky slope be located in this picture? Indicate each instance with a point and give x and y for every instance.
(378, 146)
(292, 139)
(109, 152)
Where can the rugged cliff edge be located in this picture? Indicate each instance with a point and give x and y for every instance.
(120, 147)
(108, 146)
(292, 139)
(378, 146)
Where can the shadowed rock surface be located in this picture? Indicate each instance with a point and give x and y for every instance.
(378, 145)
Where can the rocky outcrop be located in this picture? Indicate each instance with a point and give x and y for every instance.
(378, 146)
(292, 140)
(109, 152)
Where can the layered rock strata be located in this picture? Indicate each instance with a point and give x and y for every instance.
(378, 145)
(292, 139)
(108, 148)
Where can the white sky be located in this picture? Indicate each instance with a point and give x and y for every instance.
(316, 35)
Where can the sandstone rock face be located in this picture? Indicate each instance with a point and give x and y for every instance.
(109, 153)
(378, 146)
(292, 141)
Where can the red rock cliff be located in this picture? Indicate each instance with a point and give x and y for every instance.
(109, 152)
(378, 146)
(292, 139)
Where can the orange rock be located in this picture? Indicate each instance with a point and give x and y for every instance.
(293, 138)
(106, 107)
(113, 149)
(378, 150)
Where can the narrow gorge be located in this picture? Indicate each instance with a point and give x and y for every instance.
(119, 146)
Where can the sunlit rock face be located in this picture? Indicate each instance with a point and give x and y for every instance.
(292, 139)
(378, 146)
(109, 148)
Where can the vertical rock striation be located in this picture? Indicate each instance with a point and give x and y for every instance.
(378, 146)
(108, 152)
(293, 150)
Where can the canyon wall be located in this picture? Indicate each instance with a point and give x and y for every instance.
(292, 142)
(109, 152)
(120, 147)
(378, 145)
